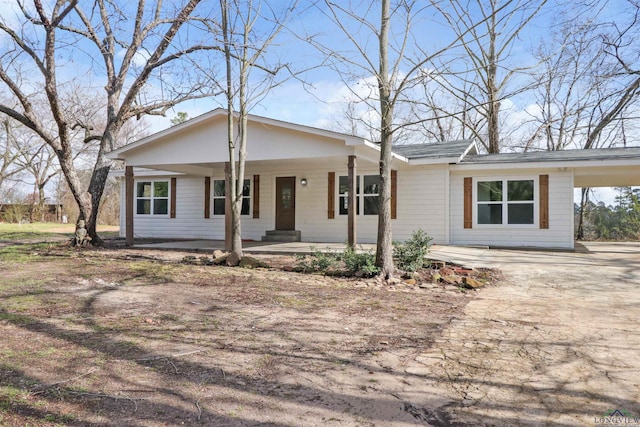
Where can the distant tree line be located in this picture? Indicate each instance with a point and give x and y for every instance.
(618, 222)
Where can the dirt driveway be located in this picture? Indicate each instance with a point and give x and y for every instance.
(558, 344)
(125, 337)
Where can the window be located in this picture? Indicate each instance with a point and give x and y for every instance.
(219, 196)
(152, 197)
(343, 191)
(512, 200)
(368, 198)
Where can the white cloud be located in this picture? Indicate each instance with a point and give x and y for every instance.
(139, 59)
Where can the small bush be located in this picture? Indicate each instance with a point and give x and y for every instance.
(317, 261)
(364, 262)
(410, 254)
(16, 213)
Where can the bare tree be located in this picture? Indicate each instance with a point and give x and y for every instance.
(249, 28)
(620, 44)
(40, 163)
(9, 167)
(489, 30)
(133, 50)
(395, 60)
(588, 86)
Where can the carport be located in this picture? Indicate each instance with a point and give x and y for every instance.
(555, 175)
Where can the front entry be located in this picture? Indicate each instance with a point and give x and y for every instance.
(286, 203)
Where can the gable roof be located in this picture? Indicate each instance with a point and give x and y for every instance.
(220, 112)
(602, 154)
(448, 152)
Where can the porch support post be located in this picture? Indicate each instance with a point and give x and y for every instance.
(128, 185)
(227, 206)
(351, 202)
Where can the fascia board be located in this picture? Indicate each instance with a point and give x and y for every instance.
(546, 165)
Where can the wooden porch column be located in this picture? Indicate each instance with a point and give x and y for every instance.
(227, 206)
(351, 202)
(128, 194)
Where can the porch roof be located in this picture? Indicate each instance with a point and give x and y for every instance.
(201, 143)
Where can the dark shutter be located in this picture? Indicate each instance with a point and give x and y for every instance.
(331, 199)
(207, 197)
(173, 198)
(394, 192)
(256, 196)
(544, 201)
(468, 203)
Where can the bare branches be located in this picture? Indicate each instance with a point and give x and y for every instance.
(133, 51)
(487, 50)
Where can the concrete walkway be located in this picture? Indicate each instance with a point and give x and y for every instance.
(556, 343)
(287, 248)
(468, 256)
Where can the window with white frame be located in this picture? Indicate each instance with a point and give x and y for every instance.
(219, 193)
(505, 202)
(152, 197)
(367, 200)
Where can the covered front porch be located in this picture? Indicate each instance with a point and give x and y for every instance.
(300, 183)
(286, 200)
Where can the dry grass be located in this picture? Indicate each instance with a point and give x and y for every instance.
(117, 337)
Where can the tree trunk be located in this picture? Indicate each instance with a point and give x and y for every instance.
(82, 198)
(96, 189)
(584, 199)
(493, 105)
(384, 248)
(234, 183)
(41, 200)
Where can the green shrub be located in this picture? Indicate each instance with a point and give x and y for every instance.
(410, 255)
(363, 261)
(317, 261)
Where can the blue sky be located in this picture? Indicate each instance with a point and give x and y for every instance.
(321, 100)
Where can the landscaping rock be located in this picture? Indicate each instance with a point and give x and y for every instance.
(452, 279)
(220, 257)
(437, 264)
(410, 281)
(393, 281)
(462, 271)
(446, 271)
(250, 262)
(190, 260)
(411, 275)
(218, 253)
(472, 283)
(334, 273)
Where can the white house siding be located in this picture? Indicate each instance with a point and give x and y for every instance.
(271, 143)
(558, 235)
(189, 221)
(421, 204)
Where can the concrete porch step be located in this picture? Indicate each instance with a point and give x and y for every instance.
(282, 236)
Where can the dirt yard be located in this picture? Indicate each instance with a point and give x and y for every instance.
(117, 337)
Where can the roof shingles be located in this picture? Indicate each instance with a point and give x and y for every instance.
(453, 149)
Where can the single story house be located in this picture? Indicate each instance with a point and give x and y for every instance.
(296, 185)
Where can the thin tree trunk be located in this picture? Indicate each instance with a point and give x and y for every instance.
(493, 107)
(584, 200)
(236, 205)
(384, 248)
